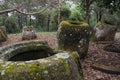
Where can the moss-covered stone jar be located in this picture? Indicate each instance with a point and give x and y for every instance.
(74, 36)
(18, 63)
(3, 34)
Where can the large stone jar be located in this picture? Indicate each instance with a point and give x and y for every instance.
(28, 33)
(3, 34)
(105, 31)
(74, 36)
(20, 62)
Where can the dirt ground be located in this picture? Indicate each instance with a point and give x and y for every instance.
(95, 53)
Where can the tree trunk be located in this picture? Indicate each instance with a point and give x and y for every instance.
(100, 15)
(26, 22)
(97, 16)
(48, 23)
(19, 21)
(59, 17)
(30, 20)
(87, 10)
(59, 10)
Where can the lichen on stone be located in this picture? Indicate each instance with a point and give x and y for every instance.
(64, 67)
(62, 55)
(73, 36)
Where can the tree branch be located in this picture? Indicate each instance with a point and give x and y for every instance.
(34, 13)
(11, 10)
(7, 11)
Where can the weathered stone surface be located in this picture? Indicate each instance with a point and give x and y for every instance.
(73, 36)
(105, 32)
(3, 34)
(21, 47)
(107, 65)
(60, 66)
(28, 33)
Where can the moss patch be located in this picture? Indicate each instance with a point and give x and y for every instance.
(49, 69)
(60, 66)
(73, 23)
(73, 36)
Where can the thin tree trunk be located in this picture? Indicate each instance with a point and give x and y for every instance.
(30, 20)
(19, 21)
(59, 10)
(59, 17)
(97, 16)
(48, 23)
(100, 15)
(87, 10)
(26, 22)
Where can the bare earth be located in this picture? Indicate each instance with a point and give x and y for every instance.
(95, 53)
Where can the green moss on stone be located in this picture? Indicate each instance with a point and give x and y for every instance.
(73, 23)
(73, 36)
(76, 57)
(61, 66)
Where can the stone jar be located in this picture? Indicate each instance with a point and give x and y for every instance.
(56, 65)
(105, 32)
(28, 33)
(74, 36)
